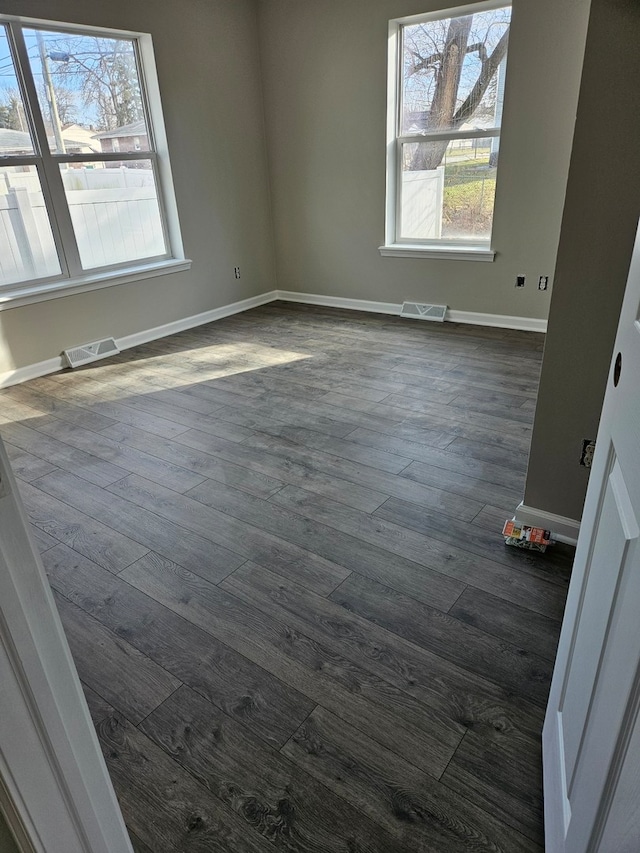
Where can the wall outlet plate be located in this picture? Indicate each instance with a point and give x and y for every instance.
(588, 449)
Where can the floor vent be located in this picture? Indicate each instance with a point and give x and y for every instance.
(423, 311)
(77, 356)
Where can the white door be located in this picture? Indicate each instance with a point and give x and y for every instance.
(591, 738)
(55, 792)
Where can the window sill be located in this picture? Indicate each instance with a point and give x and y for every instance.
(43, 291)
(455, 253)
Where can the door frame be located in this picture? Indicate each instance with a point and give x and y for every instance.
(55, 791)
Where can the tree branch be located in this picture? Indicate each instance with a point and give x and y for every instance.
(425, 63)
(489, 68)
(479, 48)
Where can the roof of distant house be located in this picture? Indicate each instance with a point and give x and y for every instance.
(18, 141)
(136, 128)
(14, 140)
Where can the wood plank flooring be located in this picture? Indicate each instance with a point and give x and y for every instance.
(275, 546)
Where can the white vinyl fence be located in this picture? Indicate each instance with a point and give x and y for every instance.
(113, 226)
(115, 215)
(27, 249)
(421, 204)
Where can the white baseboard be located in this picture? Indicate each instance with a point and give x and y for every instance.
(339, 302)
(31, 371)
(51, 365)
(474, 318)
(563, 529)
(185, 323)
(499, 321)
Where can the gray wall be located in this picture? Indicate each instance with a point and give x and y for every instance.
(7, 844)
(598, 230)
(324, 67)
(321, 65)
(208, 68)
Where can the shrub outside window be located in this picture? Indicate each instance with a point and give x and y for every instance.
(446, 92)
(85, 184)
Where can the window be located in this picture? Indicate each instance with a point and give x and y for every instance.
(85, 186)
(446, 91)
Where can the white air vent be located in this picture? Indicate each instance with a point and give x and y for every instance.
(77, 356)
(422, 311)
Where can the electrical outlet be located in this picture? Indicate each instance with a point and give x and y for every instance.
(543, 282)
(520, 280)
(236, 272)
(588, 449)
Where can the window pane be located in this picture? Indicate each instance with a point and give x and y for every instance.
(453, 72)
(27, 250)
(447, 190)
(15, 138)
(89, 91)
(115, 212)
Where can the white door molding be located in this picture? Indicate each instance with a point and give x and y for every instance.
(57, 791)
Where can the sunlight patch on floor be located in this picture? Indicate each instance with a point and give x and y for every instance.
(117, 380)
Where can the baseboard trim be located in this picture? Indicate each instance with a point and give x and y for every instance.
(51, 365)
(474, 318)
(185, 323)
(498, 321)
(339, 302)
(31, 371)
(563, 529)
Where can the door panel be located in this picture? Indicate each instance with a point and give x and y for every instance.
(605, 570)
(592, 717)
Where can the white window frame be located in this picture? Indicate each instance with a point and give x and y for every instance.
(439, 249)
(73, 278)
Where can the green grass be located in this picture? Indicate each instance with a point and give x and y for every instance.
(468, 194)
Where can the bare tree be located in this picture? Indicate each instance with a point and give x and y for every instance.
(103, 72)
(67, 105)
(66, 101)
(434, 64)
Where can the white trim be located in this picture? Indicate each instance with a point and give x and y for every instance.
(53, 769)
(176, 326)
(391, 166)
(43, 291)
(52, 365)
(55, 24)
(73, 278)
(339, 302)
(563, 529)
(420, 136)
(498, 321)
(439, 252)
(395, 139)
(473, 318)
(454, 11)
(31, 371)
(155, 116)
(557, 811)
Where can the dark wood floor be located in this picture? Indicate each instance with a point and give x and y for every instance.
(275, 546)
